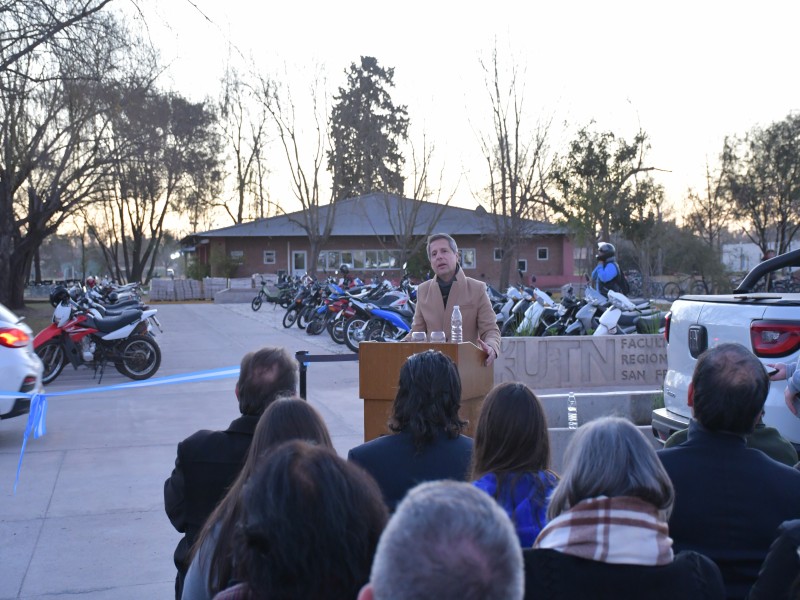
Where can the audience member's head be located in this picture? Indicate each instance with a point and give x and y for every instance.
(263, 376)
(447, 540)
(610, 457)
(289, 418)
(309, 525)
(729, 389)
(511, 435)
(428, 398)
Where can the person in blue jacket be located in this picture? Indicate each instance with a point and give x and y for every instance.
(511, 457)
(606, 274)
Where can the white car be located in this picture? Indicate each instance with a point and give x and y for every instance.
(20, 368)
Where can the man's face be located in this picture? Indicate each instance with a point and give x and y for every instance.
(443, 259)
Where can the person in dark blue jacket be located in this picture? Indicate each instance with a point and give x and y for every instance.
(729, 499)
(427, 444)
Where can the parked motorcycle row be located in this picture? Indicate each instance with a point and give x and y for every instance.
(352, 311)
(526, 311)
(97, 325)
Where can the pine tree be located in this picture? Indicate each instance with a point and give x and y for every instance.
(366, 129)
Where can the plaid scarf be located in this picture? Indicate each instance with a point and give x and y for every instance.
(622, 530)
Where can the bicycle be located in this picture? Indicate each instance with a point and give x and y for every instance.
(261, 297)
(688, 284)
(642, 287)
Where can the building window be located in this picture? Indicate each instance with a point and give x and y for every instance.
(498, 254)
(269, 257)
(522, 265)
(331, 260)
(237, 253)
(542, 253)
(468, 260)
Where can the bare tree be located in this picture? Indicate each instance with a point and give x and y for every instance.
(517, 164)
(412, 219)
(28, 27)
(55, 102)
(305, 168)
(169, 143)
(712, 213)
(244, 120)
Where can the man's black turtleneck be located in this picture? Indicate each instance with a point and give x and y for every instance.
(445, 287)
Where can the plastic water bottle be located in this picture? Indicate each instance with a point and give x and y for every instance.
(456, 335)
(572, 411)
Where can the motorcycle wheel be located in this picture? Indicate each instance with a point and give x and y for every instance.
(290, 317)
(305, 316)
(256, 303)
(316, 325)
(336, 330)
(353, 332)
(285, 301)
(54, 359)
(375, 332)
(139, 357)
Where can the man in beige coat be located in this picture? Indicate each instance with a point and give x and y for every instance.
(437, 297)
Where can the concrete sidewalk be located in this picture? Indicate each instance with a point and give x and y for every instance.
(88, 518)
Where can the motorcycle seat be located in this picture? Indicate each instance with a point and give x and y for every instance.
(109, 324)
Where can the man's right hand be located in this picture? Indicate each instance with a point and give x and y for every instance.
(780, 374)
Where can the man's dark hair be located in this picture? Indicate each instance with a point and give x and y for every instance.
(264, 376)
(310, 525)
(428, 398)
(730, 389)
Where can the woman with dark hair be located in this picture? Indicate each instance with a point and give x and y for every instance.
(511, 458)
(309, 526)
(607, 535)
(212, 566)
(427, 443)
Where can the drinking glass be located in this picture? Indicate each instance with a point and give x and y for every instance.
(438, 337)
(418, 336)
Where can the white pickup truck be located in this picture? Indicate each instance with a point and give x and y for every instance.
(766, 323)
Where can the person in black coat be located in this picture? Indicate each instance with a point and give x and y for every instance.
(427, 443)
(730, 499)
(779, 578)
(209, 461)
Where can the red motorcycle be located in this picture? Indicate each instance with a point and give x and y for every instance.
(77, 336)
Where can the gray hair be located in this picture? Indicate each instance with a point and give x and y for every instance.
(441, 236)
(448, 540)
(610, 457)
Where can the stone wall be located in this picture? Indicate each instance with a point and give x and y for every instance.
(579, 362)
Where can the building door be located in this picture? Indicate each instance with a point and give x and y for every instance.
(299, 262)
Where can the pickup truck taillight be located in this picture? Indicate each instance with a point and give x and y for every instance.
(667, 319)
(774, 339)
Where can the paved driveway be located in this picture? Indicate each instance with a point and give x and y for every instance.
(88, 518)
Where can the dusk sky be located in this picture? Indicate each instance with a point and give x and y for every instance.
(688, 73)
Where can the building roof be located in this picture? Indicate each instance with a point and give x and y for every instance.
(380, 213)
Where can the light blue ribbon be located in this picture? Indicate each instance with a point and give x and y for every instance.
(36, 417)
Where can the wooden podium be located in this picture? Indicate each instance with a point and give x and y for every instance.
(379, 371)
